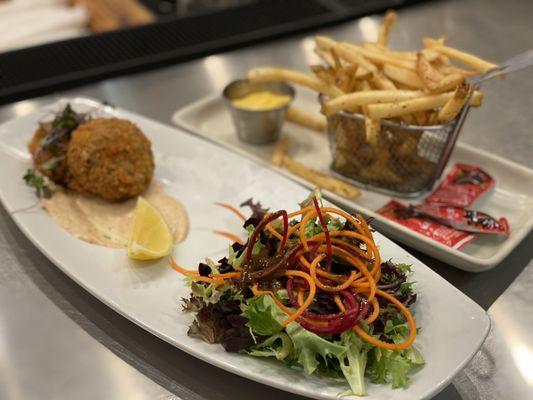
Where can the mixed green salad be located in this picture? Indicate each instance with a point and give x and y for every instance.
(309, 289)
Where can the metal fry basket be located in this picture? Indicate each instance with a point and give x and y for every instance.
(404, 160)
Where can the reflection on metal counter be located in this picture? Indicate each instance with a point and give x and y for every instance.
(503, 368)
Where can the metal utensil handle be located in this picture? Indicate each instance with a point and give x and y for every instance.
(516, 63)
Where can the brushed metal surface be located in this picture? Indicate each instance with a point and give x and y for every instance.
(58, 342)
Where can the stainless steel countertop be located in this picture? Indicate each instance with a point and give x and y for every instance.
(58, 342)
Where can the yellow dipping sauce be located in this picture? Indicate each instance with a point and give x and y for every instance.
(263, 100)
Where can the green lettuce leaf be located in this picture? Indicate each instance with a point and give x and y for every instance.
(258, 246)
(415, 357)
(393, 365)
(311, 349)
(264, 316)
(405, 268)
(398, 367)
(309, 200)
(353, 364)
(279, 346)
(236, 262)
(335, 224)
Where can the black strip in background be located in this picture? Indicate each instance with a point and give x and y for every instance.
(43, 69)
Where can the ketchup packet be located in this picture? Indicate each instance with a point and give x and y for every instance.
(405, 216)
(464, 220)
(462, 186)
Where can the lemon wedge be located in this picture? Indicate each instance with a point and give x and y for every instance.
(150, 236)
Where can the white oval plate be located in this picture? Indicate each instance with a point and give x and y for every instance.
(198, 173)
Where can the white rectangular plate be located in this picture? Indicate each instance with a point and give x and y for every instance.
(198, 173)
(512, 197)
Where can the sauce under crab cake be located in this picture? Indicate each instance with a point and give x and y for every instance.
(109, 158)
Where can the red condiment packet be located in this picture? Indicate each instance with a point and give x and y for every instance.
(462, 186)
(463, 219)
(403, 215)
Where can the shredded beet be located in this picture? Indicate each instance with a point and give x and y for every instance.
(337, 323)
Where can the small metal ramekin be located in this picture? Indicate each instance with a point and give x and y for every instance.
(256, 126)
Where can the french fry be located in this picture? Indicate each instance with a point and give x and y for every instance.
(402, 108)
(362, 73)
(408, 119)
(381, 81)
(447, 83)
(365, 86)
(326, 44)
(448, 69)
(319, 179)
(270, 74)
(385, 28)
(444, 60)
(355, 58)
(453, 107)
(429, 75)
(464, 57)
(352, 101)
(280, 152)
(421, 117)
(404, 76)
(315, 122)
(402, 55)
(432, 120)
(345, 77)
(430, 54)
(430, 42)
(324, 74)
(325, 55)
(336, 60)
(379, 57)
(372, 130)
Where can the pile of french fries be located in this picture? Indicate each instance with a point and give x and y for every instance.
(425, 87)
(415, 87)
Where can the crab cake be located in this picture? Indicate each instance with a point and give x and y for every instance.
(109, 158)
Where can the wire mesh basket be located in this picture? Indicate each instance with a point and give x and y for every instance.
(404, 160)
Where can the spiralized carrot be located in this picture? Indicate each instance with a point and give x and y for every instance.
(286, 310)
(301, 296)
(375, 312)
(230, 236)
(214, 281)
(181, 269)
(368, 242)
(327, 288)
(339, 303)
(227, 275)
(274, 232)
(391, 346)
(350, 246)
(364, 225)
(325, 274)
(232, 209)
(344, 214)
